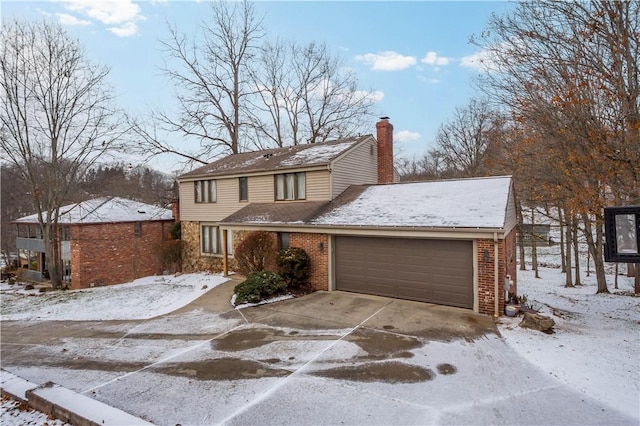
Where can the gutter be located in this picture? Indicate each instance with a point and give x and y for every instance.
(310, 227)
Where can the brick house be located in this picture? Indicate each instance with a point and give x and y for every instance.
(103, 241)
(448, 242)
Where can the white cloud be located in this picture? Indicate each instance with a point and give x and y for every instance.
(387, 61)
(126, 30)
(482, 60)
(106, 11)
(66, 19)
(432, 58)
(406, 136)
(122, 15)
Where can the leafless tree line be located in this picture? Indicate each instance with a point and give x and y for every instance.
(236, 90)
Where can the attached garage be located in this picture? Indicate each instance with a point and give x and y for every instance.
(443, 242)
(426, 270)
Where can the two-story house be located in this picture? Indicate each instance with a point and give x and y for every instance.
(447, 242)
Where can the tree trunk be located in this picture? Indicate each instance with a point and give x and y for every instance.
(631, 270)
(534, 246)
(576, 251)
(568, 281)
(615, 277)
(595, 245)
(523, 262)
(563, 260)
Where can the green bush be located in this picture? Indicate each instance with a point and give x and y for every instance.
(255, 252)
(259, 286)
(294, 266)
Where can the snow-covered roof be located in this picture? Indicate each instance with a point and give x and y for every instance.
(107, 210)
(464, 203)
(307, 155)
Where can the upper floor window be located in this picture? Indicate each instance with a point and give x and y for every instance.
(291, 186)
(205, 191)
(244, 188)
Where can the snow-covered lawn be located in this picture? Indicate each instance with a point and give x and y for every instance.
(597, 336)
(143, 298)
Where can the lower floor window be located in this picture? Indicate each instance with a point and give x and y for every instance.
(211, 237)
(283, 240)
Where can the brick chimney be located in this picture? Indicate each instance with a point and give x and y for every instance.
(175, 209)
(385, 150)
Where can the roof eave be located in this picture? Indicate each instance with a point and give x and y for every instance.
(326, 227)
(263, 172)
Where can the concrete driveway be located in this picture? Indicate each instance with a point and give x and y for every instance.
(326, 358)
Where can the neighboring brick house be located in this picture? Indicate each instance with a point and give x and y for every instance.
(449, 242)
(104, 241)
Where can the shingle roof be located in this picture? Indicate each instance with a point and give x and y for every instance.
(276, 213)
(463, 203)
(277, 158)
(106, 210)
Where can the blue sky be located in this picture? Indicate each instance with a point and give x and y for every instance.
(415, 55)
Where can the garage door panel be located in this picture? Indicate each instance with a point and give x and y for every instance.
(435, 271)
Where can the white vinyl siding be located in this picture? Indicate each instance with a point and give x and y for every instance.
(261, 190)
(317, 183)
(357, 167)
(510, 214)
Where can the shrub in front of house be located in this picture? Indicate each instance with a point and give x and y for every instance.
(294, 266)
(259, 286)
(255, 252)
(176, 231)
(171, 255)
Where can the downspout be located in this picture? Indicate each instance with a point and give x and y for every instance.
(496, 295)
(225, 255)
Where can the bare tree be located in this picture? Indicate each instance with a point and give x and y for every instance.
(56, 118)
(211, 77)
(236, 91)
(14, 203)
(463, 141)
(306, 95)
(570, 71)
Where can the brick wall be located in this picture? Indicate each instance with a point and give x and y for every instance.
(317, 247)
(486, 283)
(384, 135)
(104, 254)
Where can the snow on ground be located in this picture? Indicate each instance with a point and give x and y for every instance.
(596, 340)
(594, 347)
(11, 413)
(143, 298)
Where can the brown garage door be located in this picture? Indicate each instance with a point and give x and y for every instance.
(434, 271)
